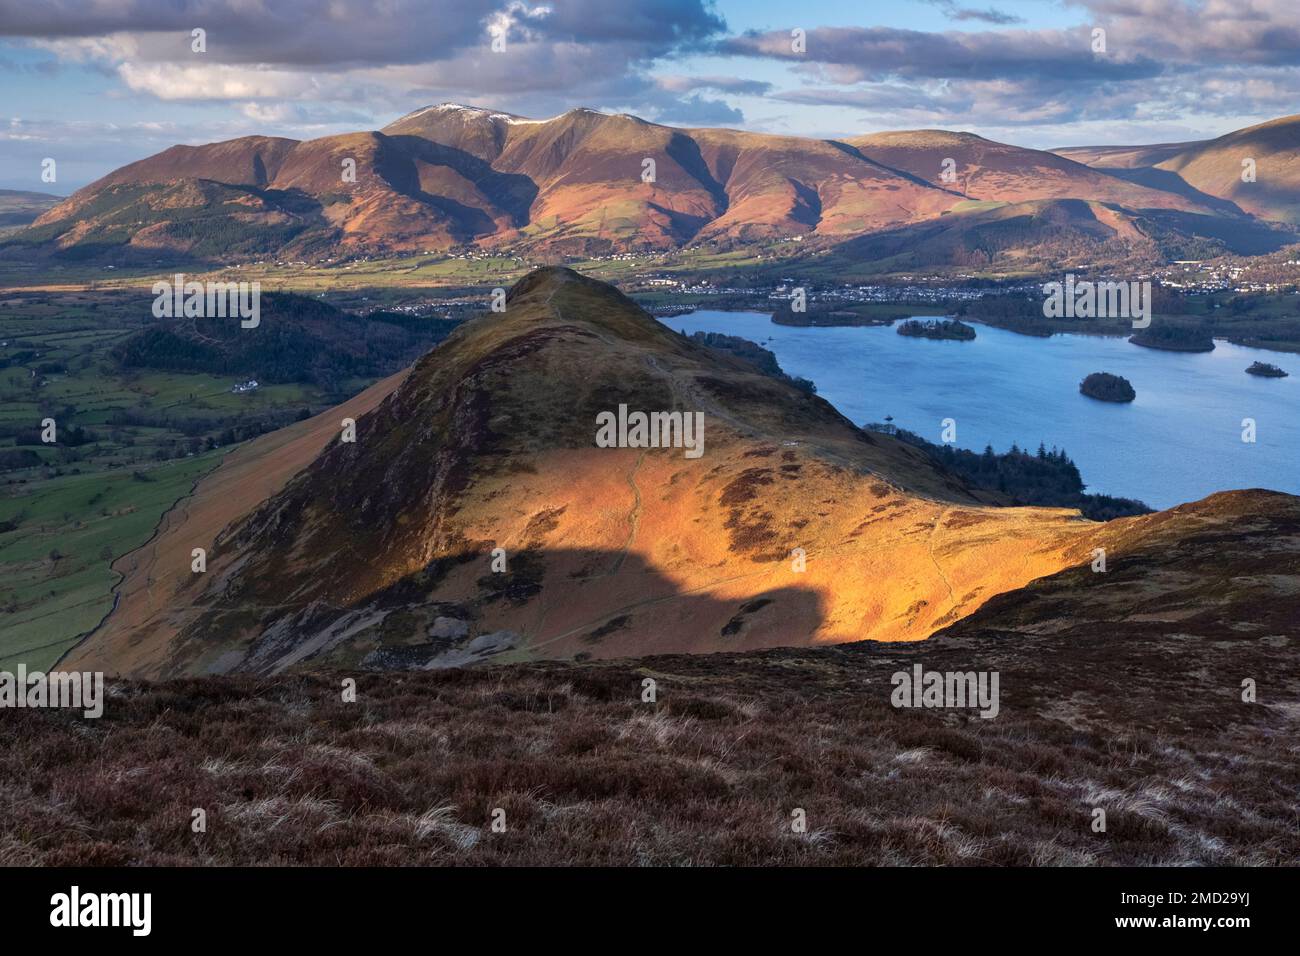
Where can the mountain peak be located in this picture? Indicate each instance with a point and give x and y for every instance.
(637, 548)
(479, 112)
(378, 551)
(449, 109)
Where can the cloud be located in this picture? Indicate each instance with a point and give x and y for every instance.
(319, 33)
(334, 35)
(1143, 38)
(297, 67)
(270, 60)
(1203, 33)
(302, 118)
(695, 110)
(722, 84)
(857, 54)
(990, 15)
(885, 105)
(215, 81)
(1007, 104)
(1164, 60)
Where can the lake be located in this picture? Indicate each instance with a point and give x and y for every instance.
(1179, 441)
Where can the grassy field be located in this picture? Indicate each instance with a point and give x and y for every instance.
(55, 579)
(389, 278)
(378, 274)
(69, 508)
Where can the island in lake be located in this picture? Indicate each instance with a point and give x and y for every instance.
(1266, 370)
(1106, 387)
(952, 329)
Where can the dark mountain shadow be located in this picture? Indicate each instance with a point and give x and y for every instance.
(293, 201)
(259, 171)
(1170, 182)
(685, 152)
(512, 192)
(1243, 236)
(395, 165)
(975, 239)
(809, 210)
(684, 224)
(456, 611)
(469, 221)
(856, 153)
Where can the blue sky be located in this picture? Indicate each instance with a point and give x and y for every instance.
(96, 83)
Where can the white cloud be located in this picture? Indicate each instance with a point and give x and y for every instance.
(216, 81)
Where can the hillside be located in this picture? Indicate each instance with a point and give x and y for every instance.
(997, 172)
(1031, 234)
(451, 176)
(585, 168)
(1112, 158)
(1041, 235)
(1214, 167)
(378, 553)
(1160, 588)
(298, 339)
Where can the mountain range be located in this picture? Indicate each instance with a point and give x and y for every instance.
(472, 516)
(587, 183)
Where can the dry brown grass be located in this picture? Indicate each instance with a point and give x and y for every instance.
(1153, 731)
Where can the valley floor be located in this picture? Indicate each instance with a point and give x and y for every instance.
(1152, 730)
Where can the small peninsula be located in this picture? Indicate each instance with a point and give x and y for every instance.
(831, 318)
